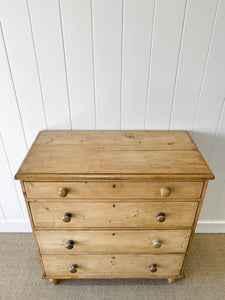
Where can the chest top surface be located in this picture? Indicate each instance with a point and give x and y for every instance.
(149, 155)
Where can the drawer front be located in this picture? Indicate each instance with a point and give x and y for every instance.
(117, 189)
(118, 242)
(88, 214)
(108, 266)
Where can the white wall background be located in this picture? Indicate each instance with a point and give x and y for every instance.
(111, 64)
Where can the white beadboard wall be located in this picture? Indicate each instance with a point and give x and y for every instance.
(111, 64)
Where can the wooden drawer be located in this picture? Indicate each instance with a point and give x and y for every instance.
(109, 214)
(116, 189)
(109, 266)
(117, 241)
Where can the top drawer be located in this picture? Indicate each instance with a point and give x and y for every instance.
(115, 189)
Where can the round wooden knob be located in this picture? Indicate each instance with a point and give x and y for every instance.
(161, 217)
(63, 191)
(69, 244)
(73, 268)
(66, 217)
(156, 244)
(165, 191)
(153, 267)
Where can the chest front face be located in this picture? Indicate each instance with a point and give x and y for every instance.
(113, 204)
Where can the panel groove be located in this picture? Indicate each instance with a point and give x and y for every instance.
(14, 89)
(122, 54)
(107, 54)
(150, 64)
(137, 33)
(47, 32)
(221, 186)
(36, 61)
(2, 213)
(65, 63)
(13, 181)
(178, 60)
(206, 64)
(93, 59)
(217, 201)
(217, 126)
(211, 101)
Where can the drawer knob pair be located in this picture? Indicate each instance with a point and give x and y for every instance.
(161, 217)
(153, 267)
(62, 192)
(165, 191)
(73, 268)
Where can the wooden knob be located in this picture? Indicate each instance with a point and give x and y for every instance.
(66, 217)
(153, 267)
(63, 191)
(165, 191)
(161, 217)
(73, 268)
(69, 244)
(156, 244)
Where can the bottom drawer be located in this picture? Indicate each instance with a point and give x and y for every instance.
(113, 266)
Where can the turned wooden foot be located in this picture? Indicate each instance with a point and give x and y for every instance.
(54, 281)
(172, 280)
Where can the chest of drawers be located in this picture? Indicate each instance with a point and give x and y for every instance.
(113, 204)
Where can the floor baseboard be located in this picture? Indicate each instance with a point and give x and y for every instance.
(210, 227)
(23, 226)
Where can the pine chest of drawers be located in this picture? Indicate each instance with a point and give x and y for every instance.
(113, 204)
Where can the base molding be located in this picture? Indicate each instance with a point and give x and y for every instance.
(210, 227)
(202, 226)
(15, 226)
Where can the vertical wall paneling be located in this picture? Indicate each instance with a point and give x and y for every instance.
(195, 45)
(77, 31)
(209, 113)
(18, 38)
(167, 31)
(9, 200)
(10, 125)
(10, 121)
(213, 89)
(137, 31)
(107, 31)
(46, 26)
(211, 209)
(111, 64)
(214, 202)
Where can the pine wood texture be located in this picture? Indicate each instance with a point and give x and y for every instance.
(114, 152)
(114, 189)
(48, 214)
(113, 204)
(109, 266)
(116, 241)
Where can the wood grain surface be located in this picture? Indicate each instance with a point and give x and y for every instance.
(112, 241)
(106, 266)
(48, 214)
(114, 189)
(114, 152)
